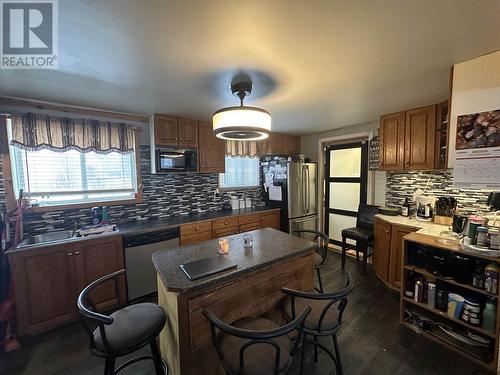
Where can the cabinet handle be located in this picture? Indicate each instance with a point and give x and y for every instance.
(69, 254)
(76, 253)
(250, 219)
(196, 228)
(225, 223)
(180, 139)
(387, 232)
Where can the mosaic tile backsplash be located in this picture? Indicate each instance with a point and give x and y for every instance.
(164, 195)
(401, 185)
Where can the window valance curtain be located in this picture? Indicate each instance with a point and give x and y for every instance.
(33, 132)
(245, 148)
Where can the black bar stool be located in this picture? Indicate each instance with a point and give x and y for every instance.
(321, 252)
(124, 331)
(255, 345)
(325, 318)
(362, 234)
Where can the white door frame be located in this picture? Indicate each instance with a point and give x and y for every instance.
(321, 171)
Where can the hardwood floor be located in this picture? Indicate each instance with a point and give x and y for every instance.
(371, 341)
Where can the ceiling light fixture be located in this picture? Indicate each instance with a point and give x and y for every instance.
(242, 123)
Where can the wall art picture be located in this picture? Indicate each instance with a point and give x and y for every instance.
(477, 130)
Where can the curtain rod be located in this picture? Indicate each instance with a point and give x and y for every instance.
(59, 107)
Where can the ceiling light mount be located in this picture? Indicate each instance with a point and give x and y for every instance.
(242, 123)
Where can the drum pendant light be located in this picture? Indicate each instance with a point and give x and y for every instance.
(242, 123)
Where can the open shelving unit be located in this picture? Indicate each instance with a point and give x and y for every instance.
(435, 314)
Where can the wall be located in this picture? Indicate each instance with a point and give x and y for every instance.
(164, 195)
(476, 88)
(401, 185)
(309, 143)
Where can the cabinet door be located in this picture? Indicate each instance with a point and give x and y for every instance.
(420, 137)
(45, 289)
(188, 133)
(97, 258)
(381, 248)
(271, 220)
(292, 145)
(212, 150)
(277, 144)
(248, 227)
(166, 130)
(392, 141)
(441, 145)
(195, 238)
(396, 258)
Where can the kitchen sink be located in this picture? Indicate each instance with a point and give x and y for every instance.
(48, 237)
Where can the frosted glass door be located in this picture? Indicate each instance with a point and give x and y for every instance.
(346, 175)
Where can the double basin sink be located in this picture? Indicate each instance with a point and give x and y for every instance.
(48, 238)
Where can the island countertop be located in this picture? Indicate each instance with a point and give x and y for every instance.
(270, 246)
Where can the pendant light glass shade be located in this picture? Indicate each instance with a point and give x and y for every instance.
(242, 123)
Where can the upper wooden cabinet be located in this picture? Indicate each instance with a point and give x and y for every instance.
(176, 132)
(166, 130)
(280, 144)
(408, 140)
(212, 150)
(392, 138)
(188, 132)
(420, 132)
(47, 281)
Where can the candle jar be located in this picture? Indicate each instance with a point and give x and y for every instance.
(223, 245)
(247, 240)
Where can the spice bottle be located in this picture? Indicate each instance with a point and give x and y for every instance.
(491, 278)
(431, 295)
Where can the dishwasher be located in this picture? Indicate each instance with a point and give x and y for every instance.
(139, 270)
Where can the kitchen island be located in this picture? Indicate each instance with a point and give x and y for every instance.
(275, 260)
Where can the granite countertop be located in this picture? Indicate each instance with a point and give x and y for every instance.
(145, 226)
(153, 225)
(426, 227)
(270, 246)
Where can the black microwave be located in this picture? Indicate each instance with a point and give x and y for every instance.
(176, 160)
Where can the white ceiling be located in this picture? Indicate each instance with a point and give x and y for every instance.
(317, 65)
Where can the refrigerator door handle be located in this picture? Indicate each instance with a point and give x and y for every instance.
(308, 189)
(304, 182)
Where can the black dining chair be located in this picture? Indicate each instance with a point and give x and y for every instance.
(321, 251)
(325, 318)
(122, 332)
(362, 233)
(255, 345)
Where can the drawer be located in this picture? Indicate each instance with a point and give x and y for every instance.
(195, 238)
(225, 222)
(196, 227)
(248, 227)
(223, 232)
(250, 218)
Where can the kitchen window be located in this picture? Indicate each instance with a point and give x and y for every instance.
(54, 178)
(240, 172)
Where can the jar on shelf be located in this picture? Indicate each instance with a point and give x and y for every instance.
(482, 236)
(494, 237)
(489, 316)
(491, 278)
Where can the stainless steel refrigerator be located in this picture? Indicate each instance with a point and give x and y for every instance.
(292, 186)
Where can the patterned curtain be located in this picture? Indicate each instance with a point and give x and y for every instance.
(245, 148)
(33, 132)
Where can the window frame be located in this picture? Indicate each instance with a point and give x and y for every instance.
(238, 188)
(10, 198)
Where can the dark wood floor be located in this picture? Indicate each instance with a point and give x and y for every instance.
(371, 341)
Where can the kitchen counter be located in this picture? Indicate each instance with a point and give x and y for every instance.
(145, 226)
(425, 227)
(270, 246)
(276, 260)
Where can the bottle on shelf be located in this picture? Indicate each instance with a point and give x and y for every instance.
(410, 285)
(489, 316)
(405, 209)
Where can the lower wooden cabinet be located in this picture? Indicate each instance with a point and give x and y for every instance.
(381, 248)
(205, 230)
(47, 281)
(388, 251)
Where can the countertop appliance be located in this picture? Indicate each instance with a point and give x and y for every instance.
(176, 160)
(292, 186)
(139, 270)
